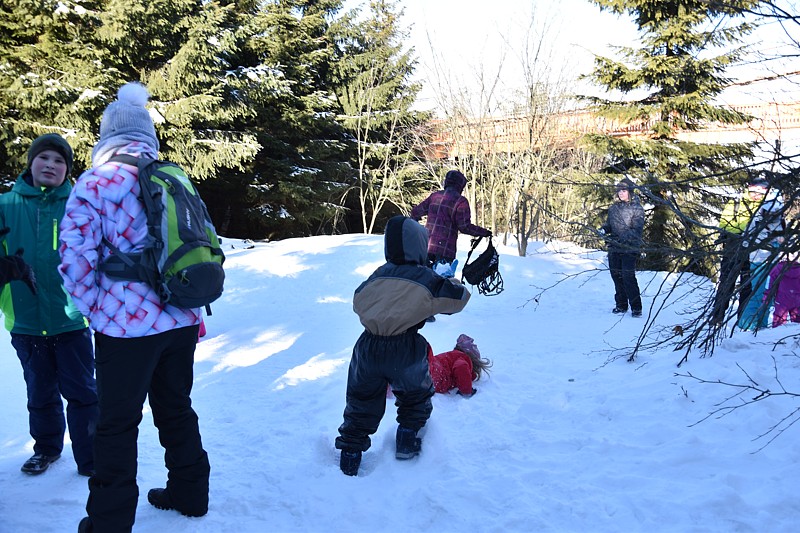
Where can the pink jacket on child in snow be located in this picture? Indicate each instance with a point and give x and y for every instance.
(786, 275)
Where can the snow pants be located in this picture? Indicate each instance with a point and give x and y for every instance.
(735, 265)
(756, 312)
(623, 273)
(129, 369)
(56, 366)
(783, 312)
(402, 362)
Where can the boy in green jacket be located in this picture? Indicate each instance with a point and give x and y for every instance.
(49, 334)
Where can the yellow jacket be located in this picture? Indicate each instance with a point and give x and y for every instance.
(737, 213)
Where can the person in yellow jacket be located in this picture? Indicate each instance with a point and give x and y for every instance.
(735, 264)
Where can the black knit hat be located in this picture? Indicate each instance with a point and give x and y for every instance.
(626, 183)
(51, 141)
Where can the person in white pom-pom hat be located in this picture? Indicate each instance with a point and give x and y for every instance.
(142, 346)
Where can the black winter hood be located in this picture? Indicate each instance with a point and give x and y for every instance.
(405, 241)
(455, 180)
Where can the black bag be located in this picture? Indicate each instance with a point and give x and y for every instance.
(484, 271)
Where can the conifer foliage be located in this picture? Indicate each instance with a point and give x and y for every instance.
(669, 84)
(375, 93)
(245, 96)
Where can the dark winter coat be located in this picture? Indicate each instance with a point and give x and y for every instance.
(402, 293)
(34, 214)
(624, 226)
(448, 213)
(450, 370)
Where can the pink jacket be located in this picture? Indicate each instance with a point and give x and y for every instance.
(786, 275)
(104, 203)
(450, 370)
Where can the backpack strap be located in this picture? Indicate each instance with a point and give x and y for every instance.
(127, 159)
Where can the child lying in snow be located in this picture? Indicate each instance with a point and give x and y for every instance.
(458, 368)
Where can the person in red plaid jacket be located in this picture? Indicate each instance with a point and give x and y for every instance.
(448, 213)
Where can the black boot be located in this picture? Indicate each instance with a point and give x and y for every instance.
(408, 445)
(159, 498)
(85, 526)
(39, 463)
(349, 462)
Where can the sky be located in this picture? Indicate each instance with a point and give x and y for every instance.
(458, 40)
(564, 435)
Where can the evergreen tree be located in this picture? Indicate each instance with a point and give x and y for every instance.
(66, 61)
(670, 82)
(49, 78)
(376, 94)
(294, 182)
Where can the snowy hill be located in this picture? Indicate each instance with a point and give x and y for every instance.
(564, 435)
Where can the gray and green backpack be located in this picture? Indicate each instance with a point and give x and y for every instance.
(181, 258)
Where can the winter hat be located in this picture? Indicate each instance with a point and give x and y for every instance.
(466, 344)
(456, 180)
(626, 183)
(127, 120)
(759, 186)
(51, 141)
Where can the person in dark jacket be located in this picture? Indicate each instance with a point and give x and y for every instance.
(448, 213)
(392, 305)
(623, 230)
(48, 332)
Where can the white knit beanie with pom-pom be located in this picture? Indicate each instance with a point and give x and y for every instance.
(126, 120)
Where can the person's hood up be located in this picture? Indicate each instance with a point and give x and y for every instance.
(405, 241)
(455, 180)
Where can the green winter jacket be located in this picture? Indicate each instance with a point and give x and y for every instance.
(33, 214)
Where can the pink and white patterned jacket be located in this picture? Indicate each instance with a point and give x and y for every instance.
(104, 203)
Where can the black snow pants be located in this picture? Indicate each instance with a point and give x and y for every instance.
(129, 370)
(399, 360)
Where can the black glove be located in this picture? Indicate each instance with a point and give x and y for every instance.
(12, 267)
(470, 395)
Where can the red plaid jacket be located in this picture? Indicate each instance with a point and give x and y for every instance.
(448, 213)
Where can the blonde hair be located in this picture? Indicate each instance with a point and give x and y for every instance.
(479, 364)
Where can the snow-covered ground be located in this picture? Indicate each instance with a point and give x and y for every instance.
(564, 435)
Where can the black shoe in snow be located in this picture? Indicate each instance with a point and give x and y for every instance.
(408, 445)
(39, 463)
(159, 498)
(619, 311)
(636, 314)
(349, 462)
